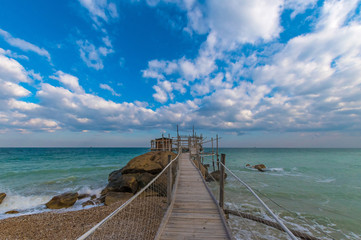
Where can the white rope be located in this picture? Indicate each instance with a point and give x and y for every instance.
(263, 204)
(93, 229)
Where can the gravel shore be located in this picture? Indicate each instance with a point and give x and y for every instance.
(67, 225)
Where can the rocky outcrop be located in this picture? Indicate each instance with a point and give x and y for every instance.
(113, 197)
(2, 197)
(135, 175)
(122, 183)
(64, 200)
(150, 162)
(82, 196)
(216, 175)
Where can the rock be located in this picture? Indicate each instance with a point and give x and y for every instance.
(260, 167)
(112, 197)
(92, 197)
(2, 197)
(12, 212)
(81, 196)
(124, 183)
(143, 179)
(215, 175)
(64, 200)
(87, 203)
(151, 162)
(248, 165)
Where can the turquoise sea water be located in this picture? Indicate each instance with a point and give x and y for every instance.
(321, 186)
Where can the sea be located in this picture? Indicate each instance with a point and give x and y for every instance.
(316, 191)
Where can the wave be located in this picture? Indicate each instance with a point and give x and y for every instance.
(36, 203)
(327, 180)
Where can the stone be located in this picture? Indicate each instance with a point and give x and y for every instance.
(88, 203)
(92, 197)
(12, 212)
(124, 183)
(81, 196)
(216, 175)
(64, 200)
(260, 167)
(143, 179)
(151, 162)
(2, 197)
(112, 197)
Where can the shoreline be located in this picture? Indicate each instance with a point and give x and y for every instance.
(54, 225)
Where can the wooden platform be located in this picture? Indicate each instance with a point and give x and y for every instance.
(194, 214)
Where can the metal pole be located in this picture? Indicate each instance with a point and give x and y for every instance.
(221, 182)
(169, 184)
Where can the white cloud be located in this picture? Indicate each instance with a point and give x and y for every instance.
(335, 13)
(110, 89)
(23, 45)
(100, 10)
(92, 56)
(21, 105)
(11, 70)
(245, 21)
(299, 6)
(10, 89)
(69, 81)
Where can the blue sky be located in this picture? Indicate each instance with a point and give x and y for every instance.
(260, 73)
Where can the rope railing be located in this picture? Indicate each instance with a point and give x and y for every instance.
(278, 220)
(140, 216)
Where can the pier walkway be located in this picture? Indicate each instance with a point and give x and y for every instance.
(193, 213)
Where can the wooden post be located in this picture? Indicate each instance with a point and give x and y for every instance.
(221, 182)
(213, 155)
(189, 143)
(169, 143)
(169, 182)
(217, 152)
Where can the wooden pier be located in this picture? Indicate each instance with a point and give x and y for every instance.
(193, 213)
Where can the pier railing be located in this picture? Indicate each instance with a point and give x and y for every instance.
(140, 216)
(250, 217)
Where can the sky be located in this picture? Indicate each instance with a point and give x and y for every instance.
(118, 73)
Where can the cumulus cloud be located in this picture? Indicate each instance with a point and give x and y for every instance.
(68, 80)
(311, 83)
(109, 88)
(91, 55)
(23, 45)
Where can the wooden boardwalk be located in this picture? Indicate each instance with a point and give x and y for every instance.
(193, 214)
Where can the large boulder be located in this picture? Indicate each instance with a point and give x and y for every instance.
(143, 179)
(124, 183)
(2, 197)
(137, 173)
(112, 197)
(64, 200)
(151, 162)
(216, 175)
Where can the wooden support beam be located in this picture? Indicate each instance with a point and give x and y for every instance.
(221, 182)
(169, 182)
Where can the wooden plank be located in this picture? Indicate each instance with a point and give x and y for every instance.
(194, 214)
